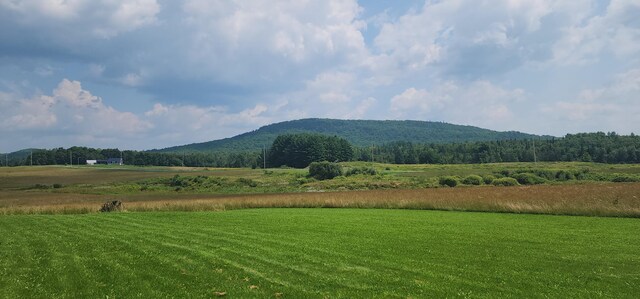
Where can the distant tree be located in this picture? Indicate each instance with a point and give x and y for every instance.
(325, 170)
(299, 150)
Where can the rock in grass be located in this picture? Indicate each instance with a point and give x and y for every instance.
(112, 206)
(220, 294)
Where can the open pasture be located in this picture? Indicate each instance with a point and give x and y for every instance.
(318, 253)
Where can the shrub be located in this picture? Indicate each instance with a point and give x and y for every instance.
(246, 182)
(505, 182)
(473, 180)
(361, 170)
(528, 179)
(564, 175)
(488, 178)
(40, 186)
(57, 186)
(448, 181)
(324, 170)
(545, 173)
(625, 179)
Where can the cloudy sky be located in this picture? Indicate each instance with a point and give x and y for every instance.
(142, 74)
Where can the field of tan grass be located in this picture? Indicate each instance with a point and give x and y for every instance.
(584, 198)
(605, 199)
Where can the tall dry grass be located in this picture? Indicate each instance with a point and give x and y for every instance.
(618, 200)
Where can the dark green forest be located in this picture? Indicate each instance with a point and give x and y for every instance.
(300, 149)
(360, 133)
(585, 147)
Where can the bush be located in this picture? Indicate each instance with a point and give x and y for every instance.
(505, 182)
(57, 186)
(625, 179)
(448, 181)
(361, 170)
(488, 178)
(472, 180)
(324, 170)
(246, 182)
(528, 179)
(564, 175)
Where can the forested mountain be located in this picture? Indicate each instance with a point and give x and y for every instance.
(357, 132)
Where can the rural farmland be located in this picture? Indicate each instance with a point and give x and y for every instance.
(277, 233)
(319, 149)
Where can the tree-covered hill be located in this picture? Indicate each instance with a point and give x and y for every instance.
(357, 132)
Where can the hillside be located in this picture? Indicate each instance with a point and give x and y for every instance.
(358, 132)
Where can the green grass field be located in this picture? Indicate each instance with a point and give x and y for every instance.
(316, 253)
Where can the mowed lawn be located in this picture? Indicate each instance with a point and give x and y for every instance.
(316, 253)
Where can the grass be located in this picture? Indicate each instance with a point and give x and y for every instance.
(318, 253)
(68, 190)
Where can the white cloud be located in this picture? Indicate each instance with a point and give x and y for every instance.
(71, 111)
(615, 32)
(104, 19)
(263, 34)
(613, 107)
(479, 103)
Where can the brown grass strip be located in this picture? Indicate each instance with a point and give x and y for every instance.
(608, 199)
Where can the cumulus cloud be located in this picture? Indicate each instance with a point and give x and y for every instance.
(615, 32)
(199, 70)
(479, 103)
(471, 39)
(102, 19)
(609, 108)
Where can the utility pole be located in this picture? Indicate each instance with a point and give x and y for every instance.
(372, 147)
(264, 157)
(183, 156)
(535, 159)
(71, 158)
(31, 158)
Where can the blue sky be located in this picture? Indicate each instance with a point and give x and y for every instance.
(145, 74)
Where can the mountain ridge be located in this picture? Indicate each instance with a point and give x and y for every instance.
(357, 132)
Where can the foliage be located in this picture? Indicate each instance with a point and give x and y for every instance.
(625, 179)
(505, 182)
(449, 181)
(528, 178)
(361, 170)
(473, 180)
(488, 178)
(299, 150)
(324, 170)
(600, 147)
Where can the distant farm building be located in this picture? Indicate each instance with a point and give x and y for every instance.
(109, 161)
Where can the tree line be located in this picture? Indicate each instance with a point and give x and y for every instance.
(299, 150)
(587, 147)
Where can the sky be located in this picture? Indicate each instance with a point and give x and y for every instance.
(144, 74)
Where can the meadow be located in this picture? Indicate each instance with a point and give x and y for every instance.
(278, 233)
(318, 253)
(569, 188)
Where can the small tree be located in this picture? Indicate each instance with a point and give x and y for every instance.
(325, 170)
